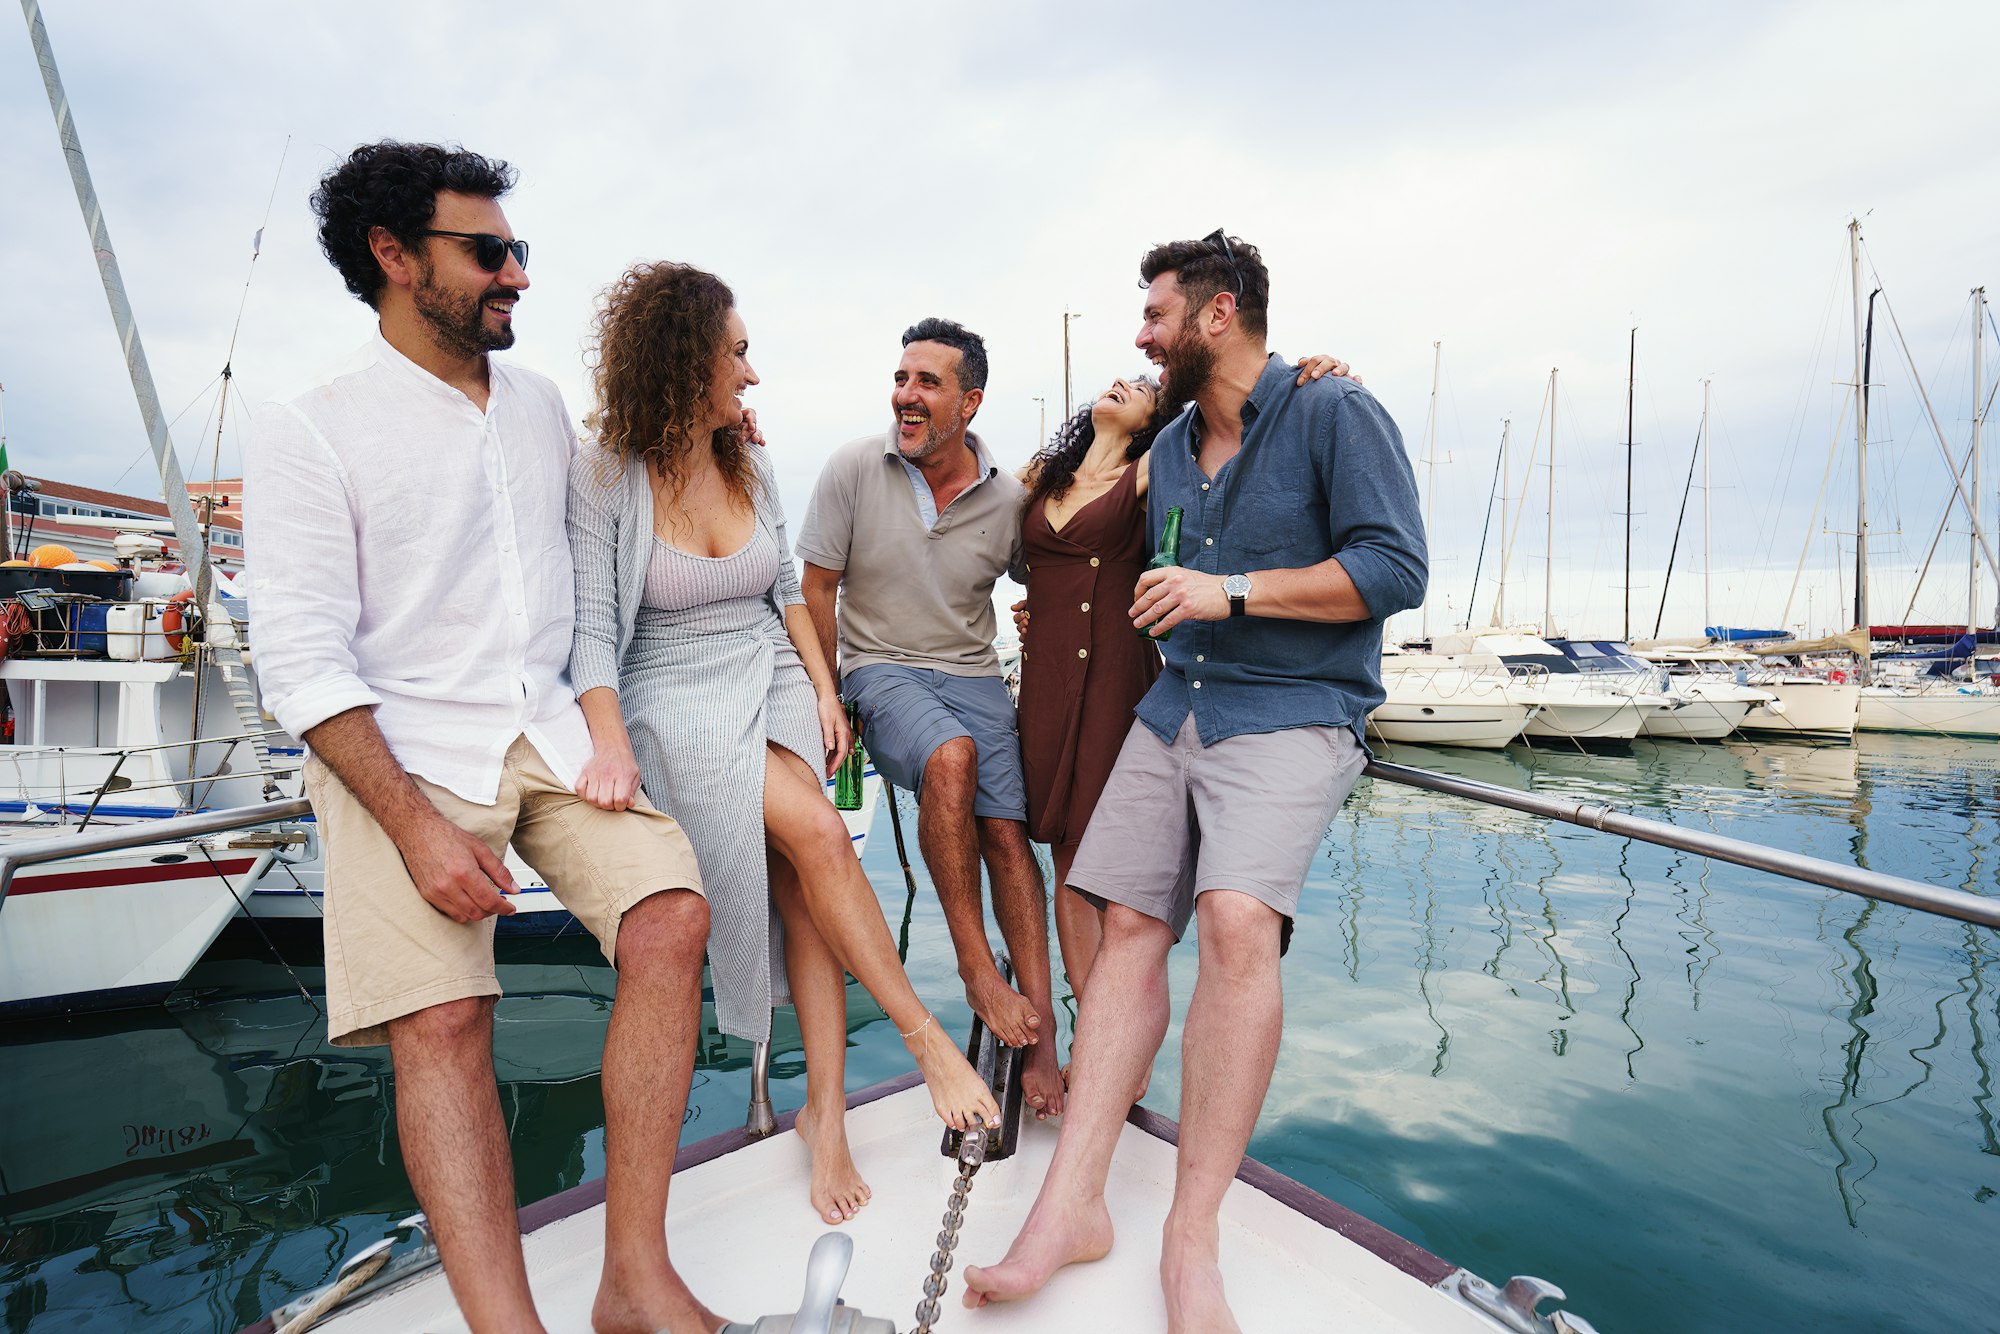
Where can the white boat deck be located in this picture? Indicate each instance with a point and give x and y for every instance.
(740, 1230)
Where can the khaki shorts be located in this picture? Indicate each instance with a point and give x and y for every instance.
(1247, 814)
(390, 954)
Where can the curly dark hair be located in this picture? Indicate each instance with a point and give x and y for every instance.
(1053, 468)
(1204, 269)
(394, 185)
(661, 336)
(971, 348)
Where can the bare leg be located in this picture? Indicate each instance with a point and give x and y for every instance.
(1079, 925)
(1118, 1035)
(1228, 1050)
(648, 1061)
(838, 916)
(819, 994)
(1023, 910)
(455, 1150)
(950, 845)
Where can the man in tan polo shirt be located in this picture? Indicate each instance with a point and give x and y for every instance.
(907, 533)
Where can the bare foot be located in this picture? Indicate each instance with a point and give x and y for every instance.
(1191, 1279)
(668, 1306)
(837, 1190)
(1053, 1237)
(1043, 1082)
(959, 1096)
(1005, 1011)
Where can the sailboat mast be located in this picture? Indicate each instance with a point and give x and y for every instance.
(1707, 609)
(1430, 465)
(1860, 443)
(194, 552)
(1631, 390)
(1549, 519)
(1978, 420)
(1500, 603)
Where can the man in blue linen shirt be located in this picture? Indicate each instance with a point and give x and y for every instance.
(1301, 535)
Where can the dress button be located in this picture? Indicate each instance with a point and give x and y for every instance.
(1083, 653)
(1086, 606)
(1093, 560)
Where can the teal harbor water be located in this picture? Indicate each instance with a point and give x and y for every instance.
(1698, 1097)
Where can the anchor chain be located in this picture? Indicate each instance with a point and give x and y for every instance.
(971, 1154)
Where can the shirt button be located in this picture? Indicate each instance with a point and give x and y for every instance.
(1197, 685)
(1208, 541)
(1086, 606)
(1083, 653)
(1093, 560)
(1204, 486)
(1201, 657)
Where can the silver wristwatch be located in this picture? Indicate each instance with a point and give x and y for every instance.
(1236, 588)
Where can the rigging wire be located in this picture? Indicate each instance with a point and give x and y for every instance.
(1472, 599)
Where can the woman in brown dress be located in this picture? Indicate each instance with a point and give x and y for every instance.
(1083, 667)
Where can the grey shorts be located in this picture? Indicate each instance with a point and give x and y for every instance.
(908, 712)
(1245, 814)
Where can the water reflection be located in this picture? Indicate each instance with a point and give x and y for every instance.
(1808, 1142)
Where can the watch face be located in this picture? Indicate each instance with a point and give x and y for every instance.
(1236, 586)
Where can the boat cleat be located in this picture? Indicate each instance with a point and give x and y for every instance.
(821, 1311)
(1514, 1307)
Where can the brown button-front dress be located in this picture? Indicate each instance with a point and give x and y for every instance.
(1083, 666)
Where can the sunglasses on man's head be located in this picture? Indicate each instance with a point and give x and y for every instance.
(1217, 239)
(489, 252)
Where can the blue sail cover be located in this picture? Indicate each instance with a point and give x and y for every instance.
(1730, 634)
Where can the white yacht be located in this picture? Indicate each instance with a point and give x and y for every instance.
(1438, 699)
(1798, 702)
(1580, 695)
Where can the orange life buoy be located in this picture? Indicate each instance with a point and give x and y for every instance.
(177, 619)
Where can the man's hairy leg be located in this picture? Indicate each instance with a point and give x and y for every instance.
(948, 835)
(455, 1150)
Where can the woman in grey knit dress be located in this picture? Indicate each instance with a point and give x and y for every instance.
(700, 675)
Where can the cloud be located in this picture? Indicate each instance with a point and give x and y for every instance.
(1524, 186)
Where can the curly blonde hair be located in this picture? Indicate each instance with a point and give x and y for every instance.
(661, 337)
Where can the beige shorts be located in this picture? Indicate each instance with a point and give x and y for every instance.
(389, 953)
(1246, 813)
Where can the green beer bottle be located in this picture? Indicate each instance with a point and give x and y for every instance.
(847, 778)
(1168, 556)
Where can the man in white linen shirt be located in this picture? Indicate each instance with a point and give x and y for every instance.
(411, 583)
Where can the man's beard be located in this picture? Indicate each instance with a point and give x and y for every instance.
(1188, 367)
(933, 439)
(458, 323)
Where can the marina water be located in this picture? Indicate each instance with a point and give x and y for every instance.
(1695, 1096)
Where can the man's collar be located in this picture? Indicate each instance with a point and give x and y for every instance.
(394, 358)
(1270, 383)
(972, 442)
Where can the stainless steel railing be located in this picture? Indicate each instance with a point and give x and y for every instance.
(17, 851)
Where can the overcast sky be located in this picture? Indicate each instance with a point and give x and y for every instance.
(1524, 184)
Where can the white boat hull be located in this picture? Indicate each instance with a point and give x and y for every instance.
(117, 929)
(1482, 726)
(1938, 712)
(1581, 719)
(1696, 719)
(741, 1228)
(1806, 708)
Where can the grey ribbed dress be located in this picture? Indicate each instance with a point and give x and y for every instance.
(705, 674)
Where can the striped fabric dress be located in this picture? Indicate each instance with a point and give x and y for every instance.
(708, 677)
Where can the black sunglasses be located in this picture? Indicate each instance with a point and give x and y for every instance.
(1218, 240)
(489, 252)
